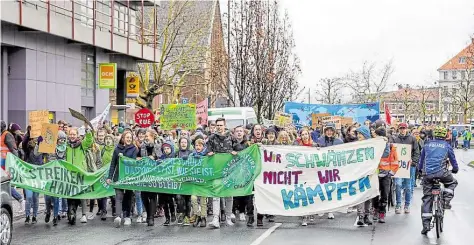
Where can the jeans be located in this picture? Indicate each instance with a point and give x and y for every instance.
(216, 206)
(123, 202)
(149, 201)
(166, 202)
(184, 205)
(16, 195)
(407, 186)
(52, 202)
(63, 205)
(139, 203)
(467, 144)
(32, 201)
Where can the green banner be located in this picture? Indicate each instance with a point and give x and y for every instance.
(221, 175)
(59, 179)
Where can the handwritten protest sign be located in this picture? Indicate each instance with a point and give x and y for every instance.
(347, 121)
(333, 119)
(404, 157)
(36, 121)
(49, 132)
(316, 118)
(59, 179)
(283, 119)
(201, 112)
(297, 181)
(178, 116)
(221, 175)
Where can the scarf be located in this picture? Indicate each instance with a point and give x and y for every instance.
(75, 144)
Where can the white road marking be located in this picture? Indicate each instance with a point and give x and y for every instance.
(266, 234)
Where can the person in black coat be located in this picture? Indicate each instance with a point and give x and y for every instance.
(122, 197)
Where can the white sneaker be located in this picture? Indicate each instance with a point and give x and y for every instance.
(139, 219)
(127, 221)
(330, 216)
(228, 221)
(232, 218)
(91, 216)
(144, 216)
(117, 222)
(215, 223)
(22, 206)
(242, 217)
(84, 219)
(305, 221)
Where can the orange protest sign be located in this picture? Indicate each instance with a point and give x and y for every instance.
(316, 118)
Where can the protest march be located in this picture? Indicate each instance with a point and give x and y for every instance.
(208, 175)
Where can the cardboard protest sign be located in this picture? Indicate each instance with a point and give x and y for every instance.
(298, 181)
(81, 117)
(316, 118)
(332, 119)
(347, 121)
(36, 121)
(283, 119)
(404, 157)
(49, 132)
(201, 112)
(173, 116)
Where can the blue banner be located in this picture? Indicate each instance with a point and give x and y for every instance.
(359, 112)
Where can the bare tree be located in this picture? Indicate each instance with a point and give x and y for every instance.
(263, 65)
(180, 31)
(427, 99)
(462, 93)
(368, 83)
(329, 90)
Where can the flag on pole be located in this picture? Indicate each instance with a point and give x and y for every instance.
(388, 117)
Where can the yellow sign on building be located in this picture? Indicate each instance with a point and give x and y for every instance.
(107, 75)
(133, 86)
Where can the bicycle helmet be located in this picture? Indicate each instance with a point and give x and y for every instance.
(440, 132)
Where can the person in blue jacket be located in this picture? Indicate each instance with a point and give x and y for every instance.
(433, 166)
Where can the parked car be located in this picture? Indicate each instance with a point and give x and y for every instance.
(6, 215)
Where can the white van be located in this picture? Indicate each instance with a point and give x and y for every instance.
(234, 116)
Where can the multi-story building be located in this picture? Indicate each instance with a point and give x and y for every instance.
(412, 105)
(51, 50)
(456, 86)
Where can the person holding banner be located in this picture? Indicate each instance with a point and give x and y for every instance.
(165, 199)
(401, 183)
(388, 167)
(123, 198)
(363, 209)
(140, 140)
(184, 201)
(199, 217)
(329, 139)
(220, 142)
(239, 143)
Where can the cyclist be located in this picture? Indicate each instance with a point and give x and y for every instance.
(432, 165)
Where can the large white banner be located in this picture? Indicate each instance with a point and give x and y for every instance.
(297, 181)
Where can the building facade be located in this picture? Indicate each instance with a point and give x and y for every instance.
(51, 51)
(456, 87)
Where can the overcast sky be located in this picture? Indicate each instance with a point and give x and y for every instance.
(333, 37)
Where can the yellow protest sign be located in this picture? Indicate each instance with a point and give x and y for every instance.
(133, 86)
(49, 132)
(316, 117)
(173, 116)
(332, 119)
(283, 119)
(36, 119)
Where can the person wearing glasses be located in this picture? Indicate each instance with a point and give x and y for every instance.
(221, 142)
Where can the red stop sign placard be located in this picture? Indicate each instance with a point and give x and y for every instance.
(144, 117)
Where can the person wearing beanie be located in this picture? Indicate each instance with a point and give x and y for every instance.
(363, 209)
(363, 133)
(387, 168)
(166, 200)
(184, 201)
(200, 215)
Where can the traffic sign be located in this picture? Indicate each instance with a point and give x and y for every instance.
(144, 117)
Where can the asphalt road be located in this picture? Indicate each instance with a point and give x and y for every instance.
(399, 229)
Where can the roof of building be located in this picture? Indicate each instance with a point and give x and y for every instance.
(455, 62)
(430, 94)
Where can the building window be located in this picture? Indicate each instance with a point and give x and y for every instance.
(446, 107)
(87, 10)
(455, 90)
(87, 72)
(463, 75)
(87, 112)
(445, 75)
(400, 106)
(454, 75)
(445, 90)
(462, 60)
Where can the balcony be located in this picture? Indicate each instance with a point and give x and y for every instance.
(112, 25)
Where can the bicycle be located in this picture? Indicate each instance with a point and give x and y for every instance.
(438, 207)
